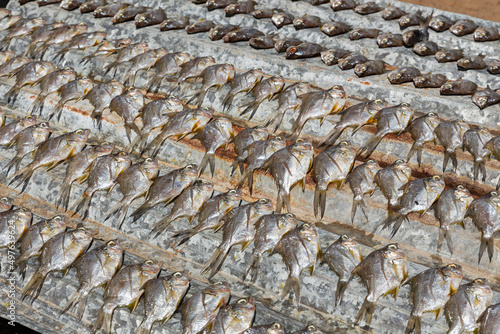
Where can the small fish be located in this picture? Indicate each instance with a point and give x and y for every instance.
(486, 34)
(241, 7)
(382, 272)
(391, 180)
(355, 117)
(134, 182)
(494, 67)
(318, 105)
(162, 297)
(418, 196)
(26, 142)
(360, 33)
(311, 329)
(284, 44)
(450, 135)
(166, 67)
(41, 35)
(265, 13)
(441, 23)
(289, 166)
(412, 37)
(473, 141)
(166, 188)
(35, 237)
(81, 42)
(351, 61)
(9, 21)
(450, 209)
(264, 90)
(77, 170)
(214, 76)
(304, 50)
(342, 4)
(445, 55)
(214, 135)
(201, 309)
(238, 228)
(306, 21)
(103, 175)
(71, 4)
(51, 83)
(270, 230)
(41, 3)
(127, 13)
(51, 153)
(6, 204)
(125, 54)
(242, 142)
(234, 318)
(187, 204)
(490, 321)
(463, 27)
(72, 91)
(458, 87)
(403, 74)
(300, 251)
(219, 4)
(256, 154)
(361, 181)
(5, 56)
(367, 8)
(426, 48)
(10, 131)
(282, 19)
(392, 13)
(244, 82)
(274, 328)
(175, 23)
(209, 216)
(201, 25)
(107, 48)
(128, 106)
(335, 28)
(342, 257)
(192, 69)
(263, 42)
(465, 307)
(100, 97)
(58, 253)
(389, 40)
(430, 291)
(472, 63)
(125, 289)
(60, 36)
(485, 98)
(242, 34)
(94, 269)
(221, 30)
(90, 6)
(29, 74)
(429, 80)
(389, 120)
(371, 67)
(409, 20)
(20, 30)
(13, 225)
(421, 130)
(149, 18)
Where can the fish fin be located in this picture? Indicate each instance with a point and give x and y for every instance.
(370, 146)
(38, 104)
(319, 201)
(154, 84)
(332, 137)
(198, 97)
(251, 108)
(161, 226)
(34, 286)
(155, 144)
(252, 267)
(23, 176)
(62, 198)
(82, 206)
(208, 160)
(339, 294)
(396, 220)
(72, 302)
(414, 324)
(275, 119)
(141, 211)
(104, 318)
(215, 262)
(134, 304)
(227, 102)
(245, 244)
(21, 265)
(365, 312)
(182, 237)
(292, 283)
(445, 235)
(15, 162)
(144, 327)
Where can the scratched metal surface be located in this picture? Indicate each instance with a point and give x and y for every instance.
(418, 238)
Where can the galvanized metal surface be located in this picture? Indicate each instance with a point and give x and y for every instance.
(418, 238)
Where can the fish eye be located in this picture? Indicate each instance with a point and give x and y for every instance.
(431, 114)
(149, 160)
(344, 143)
(81, 228)
(262, 200)
(290, 215)
(452, 266)
(276, 325)
(311, 328)
(306, 225)
(494, 193)
(57, 218)
(232, 191)
(242, 301)
(371, 161)
(177, 274)
(378, 101)
(79, 132)
(478, 281)
(404, 104)
(345, 237)
(4, 199)
(440, 23)
(218, 283)
(399, 161)
(336, 87)
(460, 187)
(189, 167)
(278, 138)
(436, 177)
(111, 243)
(300, 141)
(122, 154)
(293, 49)
(23, 209)
(148, 262)
(392, 247)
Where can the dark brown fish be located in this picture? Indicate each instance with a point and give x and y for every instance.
(166, 188)
(412, 37)
(265, 13)
(242, 34)
(392, 13)
(342, 4)
(282, 19)
(403, 74)
(429, 80)
(382, 272)
(175, 23)
(351, 61)
(219, 31)
(214, 76)
(263, 42)
(458, 87)
(128, 106)
(389, 40)
(238, 227)
(486, 34)
(150, 17)
(90, 6)
(441, 23)
(450, 135)
(219, 4)
(270, 230)
(494, 67)
(421, 130)
(361, 182)
(201, 25)
(263, 91)
(360, 33)
(367, 8)
(425, 48)
(371, 67)
(474, 141)
(306, 21)
(450, 209)
(13, 225)
(242, 83)
(472, 63)
(10, 131)
(73, 90)
(485, 97)
(71, 4)
(331, 166)
(409, 20)
(463, 27)
(445, 55)
(342, 257)
(391, 180)
(430, 290)
(41, 3)
(242, 142)
(128, 13)
(166, 67)
(335, 28)
(241, 7)
(332, 57)
(109, 10)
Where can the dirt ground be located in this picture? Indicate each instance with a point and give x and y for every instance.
(485, 9)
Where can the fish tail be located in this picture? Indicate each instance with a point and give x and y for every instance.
(132, 126)
(252, 267)
(144, 327)
(339, 294)
(4, 43)
(227, 102)
(97, 117)
(332, 137)
(154, 84)
(182, 237)
(366, 312)
(83, 205)
(73, 301)
(29, 50)
(123, 214)
(479, 167)
(15, 162)
(296, 129)
(129, 79)
(319, 201)
(292, 284)
(86, 59)
(34, 286)
(370, 146)
(12, 94)
(38, 104)
(445, 235)
(137, 140)
(396, 220)
(498, 184)
(161, 226)
(453, 156)
(62, 198)
(414, 324)
(275, 120)
(208, 160)
(235, 165)
(486, 243)
(103, 320)
(56, 111)
(283, 201)
(23, 176)
(155, 145)
(198, 97)
(21, 264)
(411, 152)
(140, 211)
(109, 67)
(355, 204)
(251, 108)
(59, 54)
(215, 263)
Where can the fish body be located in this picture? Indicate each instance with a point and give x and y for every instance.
(274, 328)
(91, 5)
(284, 44)
(389, 40)
(20, 30)
(409, 20)
(351, 61)
(241, 7)
(490, 320)
(335, 28)
(108, 48)
(440, 23)
(371, 67)
(200, 26)
(10, 131)
(362, 181)
(463, 27)
(392, 13)
(125, 54)
(192, 69)
(28, 74)
(486, 34)
(175, 23)
(422, 130)
(13, 225)
(265, 13)
(472, 63)
(127, 13)
(235, 318)
(262, 42)
(264, 90)
(306, 21)
(485, 98)
(403, 74)
(128, 106)
(167, 66)
(242, 35)
(221, 30)
(150, 17)
(450, 135)
(241, 83)
(41, 35)
(50, 84)
(9, 21)
(60, 36)
(367, 8)
(282, 19)
(449, 55)
(391, 179)
(82, 42)
(243, 140)
(429, 80)
(338, 5)
(473, 141)
(360, 33)
(5, 56)
(143, 61)
(73, 90)
(426, 48)
(214, 76)
(100, 97)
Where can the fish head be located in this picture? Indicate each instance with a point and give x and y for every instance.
(302, 146)
(288, 220)
(150, 167)
(481, 101)
(404, 111)
(263, 205)
(37, 22)
(104, 149)
(135, 95)
(219, 289)
(68, 74)
(140, 18)
(259, 133)
(435, 185)
(463, 195)
(464, 62)
(244, 309)
(275, 328)
(480, 290)
(394, 254)
(233, 195)
(204, 186)
(57, 223)
(206, 113)
(79, 136)
(346, 150)
(6, 203)
(181, 58)
(100, 36)
(123, 160)
(205, 61)
(299, 22)
(277, 143)
(24, 214)
(452, 272)
(123, 42)
(337, 92)
(347, 242)
(84, 234)
(278, 19)
(81, 27)
(308, 231)
(432, 119)
(375, 106)
(114, 246)
(150, 268)
(179, 279)
(461, 126)
(190, 171)
(400, 166)
(160, 52)
(371, 167)
(142, 47)
(27, 121)
(116, 87)
(229, 70)
(86, 84)
(173, 105)
(420, 47)
(311, 329)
